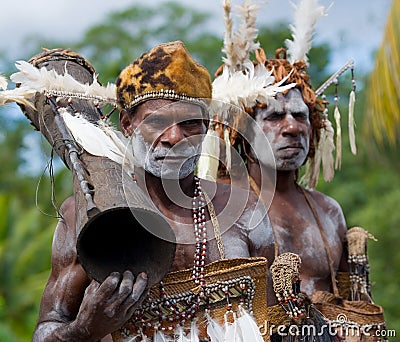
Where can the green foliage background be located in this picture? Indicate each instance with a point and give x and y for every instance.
(367, 187)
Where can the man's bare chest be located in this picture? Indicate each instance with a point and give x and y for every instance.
(302, 235)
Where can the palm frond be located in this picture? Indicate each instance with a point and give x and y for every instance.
(383, 102)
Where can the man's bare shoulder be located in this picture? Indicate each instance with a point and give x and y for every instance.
(64, 250)
(329, 207)
(238, 206)
(223, 192)
(325, 201)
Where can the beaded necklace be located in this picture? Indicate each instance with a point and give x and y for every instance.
(168, 311)
(200, 233)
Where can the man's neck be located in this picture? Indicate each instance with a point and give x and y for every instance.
(284, 182)
(167, 193)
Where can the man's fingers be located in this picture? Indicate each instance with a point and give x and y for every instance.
(125, 288)
(139, 286)
(139, 293)
(109, 285)
(93, 286)
(127, 295)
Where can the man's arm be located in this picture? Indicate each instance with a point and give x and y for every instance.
(342, 230)
(73, 307)
(333, 209)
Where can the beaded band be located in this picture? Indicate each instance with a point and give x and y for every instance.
(167, 94)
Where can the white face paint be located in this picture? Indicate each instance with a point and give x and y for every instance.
(285, 123)
(176, 162)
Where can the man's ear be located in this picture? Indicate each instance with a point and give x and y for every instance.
(125, 122)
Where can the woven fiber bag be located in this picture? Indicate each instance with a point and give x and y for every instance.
(229, 282)
(355, 319)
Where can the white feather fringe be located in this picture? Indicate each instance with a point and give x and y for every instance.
(244, 88)
(327, 146)
(160, 337)
(352, 135)
(3, 82)
(243, 328)
(228, 157)
(34, 80)
(338, 161)
(249, 328)
(181, 335)
(194, 332)
(311, 175)
(232, 333)
(315, 169)
(17, 95)
(207, 166)
(214, 331)
(305, 17)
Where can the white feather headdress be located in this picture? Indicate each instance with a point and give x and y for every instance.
(307, 12)
(239, 45)
(16, 95)
(241, 83)
(244, 88)
(32, 80)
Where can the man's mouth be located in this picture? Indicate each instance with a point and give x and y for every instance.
(170, 158)
(292, 147)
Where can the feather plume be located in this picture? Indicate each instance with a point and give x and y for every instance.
(249, 328)
(230, 60)
(352, 136)
(34, 80)
(239, 45)
(3, 82)
(338, 161)
(17, 95)
(244, 38)
(327, 148)
(244, 88)
(214, 331)
(98, 140)
(306, 15)
(207, 166)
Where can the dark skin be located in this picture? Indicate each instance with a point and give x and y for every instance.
(76, 308)
(285, 123)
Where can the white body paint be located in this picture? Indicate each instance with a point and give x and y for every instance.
(168, 163)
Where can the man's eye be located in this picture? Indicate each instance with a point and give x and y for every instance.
(155, 121)
(300, 115)
(191, 122)
(272, 117)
